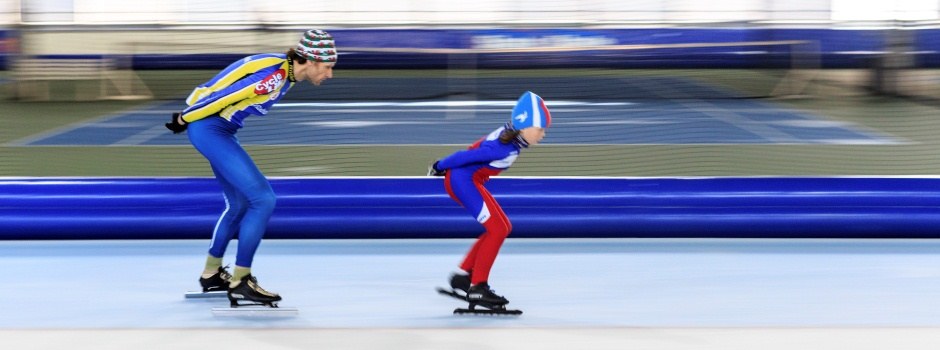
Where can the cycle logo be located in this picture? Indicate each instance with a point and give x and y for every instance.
(271, 83)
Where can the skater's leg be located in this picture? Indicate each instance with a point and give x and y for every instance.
(212, 265)
(475, 198)
(467, 189)
(498, 228)
(470, 259)
(215, 139)
(214, 276)
(228, 224)
(479, 260)
(261, 202)
(254, 195)
(449, 184)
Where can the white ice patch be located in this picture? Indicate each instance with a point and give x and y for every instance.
(255, 311)
(810, 123)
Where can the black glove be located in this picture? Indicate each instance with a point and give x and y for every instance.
(177, 124)
(433, 171)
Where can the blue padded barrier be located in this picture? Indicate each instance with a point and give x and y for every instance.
(760, 207)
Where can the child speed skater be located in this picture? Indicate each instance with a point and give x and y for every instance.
(465, 174)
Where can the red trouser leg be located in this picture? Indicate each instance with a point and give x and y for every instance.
(483, 253)
(470, 259)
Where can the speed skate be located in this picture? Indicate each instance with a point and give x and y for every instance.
(255, 310)
(240, 305)
(478, 307)
(247, 298)
(243, 308)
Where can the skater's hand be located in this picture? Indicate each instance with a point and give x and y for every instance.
(433, 171)
(177, 124)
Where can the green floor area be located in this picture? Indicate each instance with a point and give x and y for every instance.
(917, 124)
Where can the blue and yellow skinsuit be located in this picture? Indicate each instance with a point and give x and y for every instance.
(216, 111)
(249, 86)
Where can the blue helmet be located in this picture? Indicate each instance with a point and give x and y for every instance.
(530, 111)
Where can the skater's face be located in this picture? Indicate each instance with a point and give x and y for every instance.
(533, 135)
(314, 72)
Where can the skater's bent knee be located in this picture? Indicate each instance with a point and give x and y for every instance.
(264, 200)
(500, 231)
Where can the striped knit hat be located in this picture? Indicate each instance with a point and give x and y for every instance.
(530, 111)
(317, 46)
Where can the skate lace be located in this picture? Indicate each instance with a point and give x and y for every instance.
(224, 274)
(254, 285)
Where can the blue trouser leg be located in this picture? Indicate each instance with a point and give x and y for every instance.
(245, 187)
(227, 226)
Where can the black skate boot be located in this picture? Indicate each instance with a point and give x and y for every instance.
(481, 295)
(459, 284)
(249, 290)
(216, 283)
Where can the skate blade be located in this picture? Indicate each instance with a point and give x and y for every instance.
(488, 312)
(452, 294)
(206, 295)
(255, 311)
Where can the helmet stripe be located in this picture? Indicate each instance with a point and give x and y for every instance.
(548, 115)
(536, 111)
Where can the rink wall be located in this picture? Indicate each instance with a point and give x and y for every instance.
(758, 207)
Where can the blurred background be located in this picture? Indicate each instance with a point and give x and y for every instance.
(667, 89)
(637, 88)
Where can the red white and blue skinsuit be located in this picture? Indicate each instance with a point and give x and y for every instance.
(467, 172)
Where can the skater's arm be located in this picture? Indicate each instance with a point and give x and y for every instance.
(470, 156)
(217, 102)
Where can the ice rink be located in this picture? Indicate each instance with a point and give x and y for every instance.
(576, 293)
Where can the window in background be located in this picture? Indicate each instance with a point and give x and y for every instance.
(43, 11)
(882, 10)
